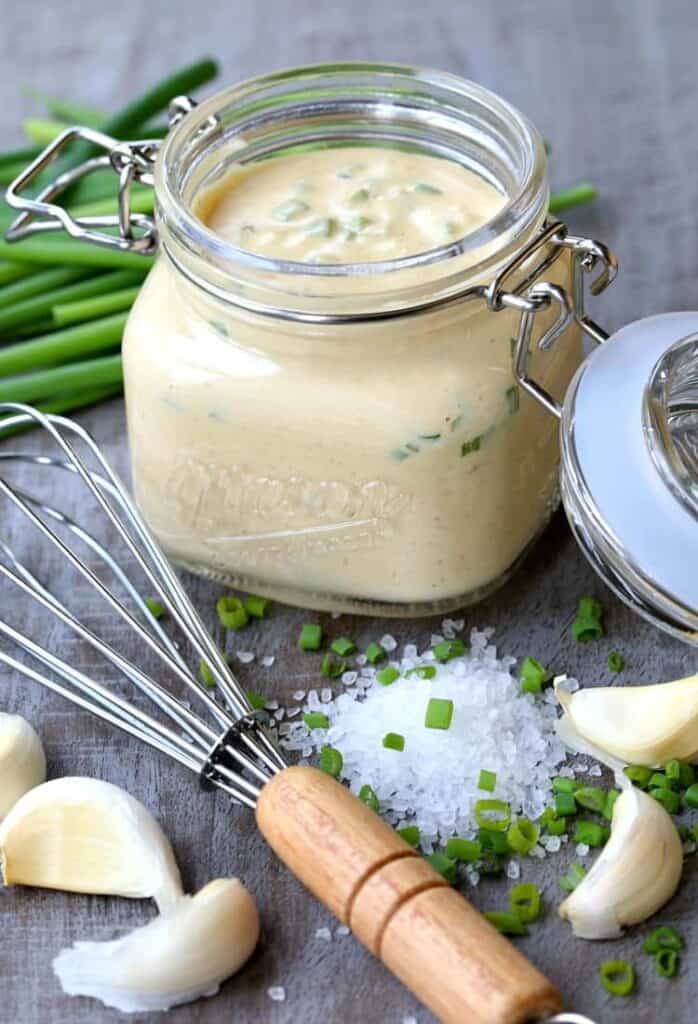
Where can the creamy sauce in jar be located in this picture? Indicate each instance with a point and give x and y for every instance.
(386, 462)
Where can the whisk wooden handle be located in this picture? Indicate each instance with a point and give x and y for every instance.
(453, 960)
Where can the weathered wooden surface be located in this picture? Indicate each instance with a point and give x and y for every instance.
(613, 86)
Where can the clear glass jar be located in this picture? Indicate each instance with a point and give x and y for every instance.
(346, 437)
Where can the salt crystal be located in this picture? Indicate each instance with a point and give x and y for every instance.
(342, 930)
(292, 712)
(513, 870)
(272, 705)
(436, 639)
(689, 848)
(552, 844)
(566, 772)
(298, 694)
(286, 727)
(361, 659)
(409, 1020)
(245, 656)
(268, 660)
(458, 625)
(277, 993)
(410, 651)
(336, 615)
(582, 849)
(538, 852)
(349, 677)
(325, 695)
(278, 715)
(388, 643)
(595, 770)
(324, 933)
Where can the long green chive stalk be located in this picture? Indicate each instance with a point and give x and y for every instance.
(71, 401)
(14, 156)
(67, 313)
(61, 250)
(60, 347)
(48, 384)
(576, 195)
(41, 132)
(38, 307)
(40, 281)
(10, 272)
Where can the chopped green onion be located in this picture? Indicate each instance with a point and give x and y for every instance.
(617, 977)
(325, 227)
(444, 865)
(360, 196)
(691, 797)
(422, 671)
(491, 866)
(565, 198)
(525, 901)
(331, 761)
(513, 399)
(310, 638)
(590, 833)
(571, 880)
(257, 701)
(522, 836)
(487, 781)
(611, 798)
(439, 713)
(231, 613)
(565, 805)
(343, 646)
(467, 850)
(587, 625)
(289, 210)
(256, 607)
(316, 720)
(493, 814)
(563, 785)
(374, 653)
(591, 797)
(155, 607)
(426, 189)
(357, 224)
(493, 841)
(668, 798)
(387, 675)
(393, 741)
(206, 675)
(687, 775)
(447, 650)
(411, 834)
(368, 797)
(663, 938)
(506, 922)
(658, 780)
(331, 668)
(532, 676)
(473, 445)
(667, 961)
(639, 775)
(616, 661)
(557, 827)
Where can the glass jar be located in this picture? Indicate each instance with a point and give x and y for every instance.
(351, 437)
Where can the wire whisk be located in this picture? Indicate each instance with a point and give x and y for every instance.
(364, 872)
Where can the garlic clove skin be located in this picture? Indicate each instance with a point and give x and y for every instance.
(571, 739)
(637, 871)
(22, 760)
(645, 725)
(85, 835)
(180, 956)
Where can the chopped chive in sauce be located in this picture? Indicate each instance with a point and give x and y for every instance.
(316, 720)
(289, 210)
(325, 227)
(360, 196)
(310, 638)
(394, 741)
(512, 397)
(439, 713)
(357, 224)
(331, 761)
(468, 447)
(426, 189)
(428, 437)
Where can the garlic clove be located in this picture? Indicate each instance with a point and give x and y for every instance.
(85, 835)
(637, 871)
(569, 736)
(638, 724)
(22, 760)
(183, 954)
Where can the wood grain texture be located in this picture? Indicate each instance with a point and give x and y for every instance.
(613, 85)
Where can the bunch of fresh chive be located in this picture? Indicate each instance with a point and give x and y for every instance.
(63, 303)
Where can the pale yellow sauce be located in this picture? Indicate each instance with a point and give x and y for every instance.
(391, 462)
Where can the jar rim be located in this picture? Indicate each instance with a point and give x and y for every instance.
(456, 96)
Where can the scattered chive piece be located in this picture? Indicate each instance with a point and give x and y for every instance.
(571, 880)
(667, 961)
(493, 842)
(532, 676)
(663, 938)
(155, 607)
(289, 210)
(368, 797)
(206, 675)
(473, 445)
(563, 785)
(411, 834)
(374, 653)
(423, 671)
(360, 196)
(617, 977)
(331, 668)
(439, 714)
(487, 781)
(490, 866)
(565, 804)
(616, 661)
(565, 198)
(687, 775)
(255, 606)
(325, 227)
(357, 224)
(591, 797)
(590, 833)
(658, 780)
(587, 625)
(449, 649)
(310, 638)
(524, 900)
(343, 646)
(444, 865)
(331, 761)
(557, 827)
(506, 922)
(522, 836)
(467, 850)
(257, 701)
(691, 796)
(316, 720)
(639, 775)
(513, 399)
(394, 741)
(611, 798)
(493, 814)
(668, 798)
(426, 189)
(387, 675)
(231, 613)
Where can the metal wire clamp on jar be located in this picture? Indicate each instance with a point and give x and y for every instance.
(387, 542)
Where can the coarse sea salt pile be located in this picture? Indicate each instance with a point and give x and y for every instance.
(433, 782)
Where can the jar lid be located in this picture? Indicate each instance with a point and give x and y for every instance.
(629, 475)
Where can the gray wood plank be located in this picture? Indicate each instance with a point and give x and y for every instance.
(613, 86)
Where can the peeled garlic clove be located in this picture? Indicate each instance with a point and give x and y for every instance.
(638, 724)
(22, 760)
(637, 871)
(183, 954)
(568, 735)
(85, 835)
